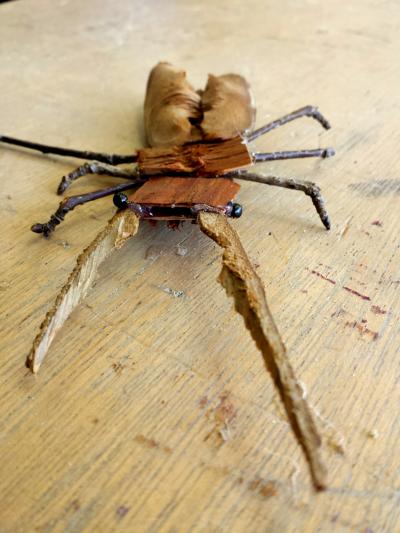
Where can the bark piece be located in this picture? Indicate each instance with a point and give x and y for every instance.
(227, 106)
(197, 158)
(240, 280)
(119, 229)
(170, 108)
(166, 190)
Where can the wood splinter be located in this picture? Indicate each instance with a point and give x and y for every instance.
(240, 281)
(122, 226)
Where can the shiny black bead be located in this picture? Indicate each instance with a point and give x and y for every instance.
(120, 200)
(237, 211)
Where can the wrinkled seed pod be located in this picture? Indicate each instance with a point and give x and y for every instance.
(171, 106)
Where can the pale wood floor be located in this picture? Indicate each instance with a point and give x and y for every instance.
(153, 411)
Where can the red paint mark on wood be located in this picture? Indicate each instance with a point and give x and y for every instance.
(224, 414)
(225, 411)
(362, 328)
(75, 505)
(203, 401)
(378, 310)
(265, 489)
(356, 293)
(323, 277)
(121, 511)
(151, 443)
(268, 489)
(338, 312)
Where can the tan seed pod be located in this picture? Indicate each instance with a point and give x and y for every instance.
(171, 107)
(227, 105)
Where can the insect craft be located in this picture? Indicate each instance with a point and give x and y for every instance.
(199, 142)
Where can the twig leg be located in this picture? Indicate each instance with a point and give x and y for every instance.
(95, 168)
(307, 111)
(122, 226)
(309, 188)
(112, 159)
(240, 280)
(259, 157)
(70, 202)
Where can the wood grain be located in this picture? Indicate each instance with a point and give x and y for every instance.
(153, 412)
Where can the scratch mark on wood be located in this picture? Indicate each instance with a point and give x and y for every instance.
(376, 188)
(172, 292)
(345, 228)
(338, 312)
(333, 437)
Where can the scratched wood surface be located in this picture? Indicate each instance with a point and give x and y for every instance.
(153, 411)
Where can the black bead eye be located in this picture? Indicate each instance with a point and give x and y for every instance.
(237, 211)
(120, 200)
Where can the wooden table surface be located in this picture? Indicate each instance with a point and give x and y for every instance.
(153, 410)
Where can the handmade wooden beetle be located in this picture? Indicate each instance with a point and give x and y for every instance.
(199, 143)
(175, 118)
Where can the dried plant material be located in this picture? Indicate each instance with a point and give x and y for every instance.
(119, 229)
(240, 280)
(174, 113)
(170, 108)
(227, 106)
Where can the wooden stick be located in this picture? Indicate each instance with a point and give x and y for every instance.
(120, 228)
(111, 159)
(240, 280)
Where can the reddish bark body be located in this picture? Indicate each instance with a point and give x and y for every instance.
(167, 191)
(195, 158)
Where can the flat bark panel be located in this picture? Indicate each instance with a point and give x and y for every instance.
(166, 190)
(196, 158)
